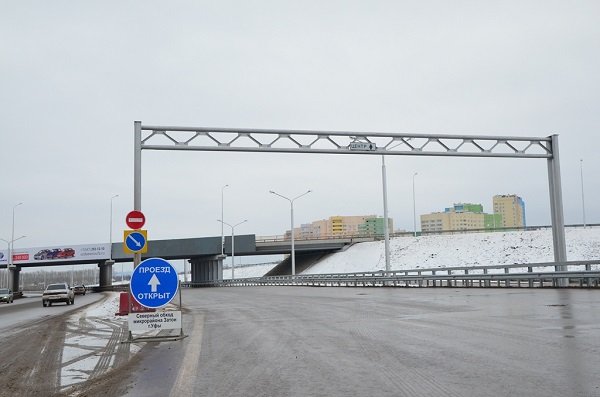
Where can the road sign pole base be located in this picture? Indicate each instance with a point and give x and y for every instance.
(155, 338)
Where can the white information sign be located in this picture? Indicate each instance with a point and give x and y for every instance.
(362, 146)
(151, 321)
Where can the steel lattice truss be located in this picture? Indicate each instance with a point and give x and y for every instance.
(337, 142)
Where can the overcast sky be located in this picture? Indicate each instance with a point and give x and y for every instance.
(74, 76)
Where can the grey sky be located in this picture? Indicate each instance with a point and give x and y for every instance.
(75, 75)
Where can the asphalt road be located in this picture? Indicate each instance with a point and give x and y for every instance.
(29, 309)
(302, 341)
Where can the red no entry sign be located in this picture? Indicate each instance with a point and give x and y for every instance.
(135, 220)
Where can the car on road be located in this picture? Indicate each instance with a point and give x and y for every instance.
(6, 295)
(60, 292)
(79, 289)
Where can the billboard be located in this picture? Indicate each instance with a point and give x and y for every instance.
(64, 253)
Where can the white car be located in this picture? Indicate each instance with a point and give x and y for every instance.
(6, 295)
(60, 292)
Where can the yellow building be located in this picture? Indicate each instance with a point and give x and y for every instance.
(435, 222)
(444, 221)
(342, 226)
(512, 209)
(346, 225)
(462, 216)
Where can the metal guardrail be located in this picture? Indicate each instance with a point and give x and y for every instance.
(579, 274)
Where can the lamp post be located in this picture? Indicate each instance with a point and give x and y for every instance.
(414, 207)
(386, 233)
(582, 195)
(292, 223)
(111, 229)
(222, 217)
(12, 238)
(232, 242)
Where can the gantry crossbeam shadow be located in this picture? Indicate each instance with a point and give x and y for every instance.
(370, 143)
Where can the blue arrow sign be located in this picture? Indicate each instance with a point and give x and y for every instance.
(154, 283)
(135, 241)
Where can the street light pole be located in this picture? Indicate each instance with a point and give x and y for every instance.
(582, 194)
(111, 230)
(386, 233)
(232, 243)
(12, 240)
(414, 207)
(222, 217)
(111, 222)
(293, 253)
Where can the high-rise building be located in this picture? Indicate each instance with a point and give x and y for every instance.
(509, 211)
(512, 210)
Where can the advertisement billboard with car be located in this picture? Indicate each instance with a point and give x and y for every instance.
(65, 253)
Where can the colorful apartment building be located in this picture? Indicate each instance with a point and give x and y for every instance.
(339, 225)
(460, 217)
(509, 211)
(512, 209)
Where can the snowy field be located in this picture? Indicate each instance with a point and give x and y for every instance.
(469, 249)
(248, 271)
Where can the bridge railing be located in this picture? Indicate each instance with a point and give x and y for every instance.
(584, 274)
(376, 236)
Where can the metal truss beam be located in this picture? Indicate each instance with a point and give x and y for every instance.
(338, 142)
(374, 143)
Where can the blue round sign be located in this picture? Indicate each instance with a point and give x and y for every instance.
(135, 241)
(154, 283)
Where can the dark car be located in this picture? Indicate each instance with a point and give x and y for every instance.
(79, 289)
(43, 254)
(6, 295)
(53, 254)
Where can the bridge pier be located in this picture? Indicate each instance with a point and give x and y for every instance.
(14, 273)
(208, 268)
(105, 277)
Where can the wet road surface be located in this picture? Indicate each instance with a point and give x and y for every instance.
(302, 341)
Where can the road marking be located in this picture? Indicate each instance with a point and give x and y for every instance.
(184, 384)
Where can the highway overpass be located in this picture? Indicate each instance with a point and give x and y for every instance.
(203, 253)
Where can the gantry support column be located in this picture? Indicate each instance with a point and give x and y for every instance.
(209, 268)
(556, 208)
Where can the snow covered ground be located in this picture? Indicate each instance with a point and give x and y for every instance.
(248, 271)
(93, 339)
(468, 249)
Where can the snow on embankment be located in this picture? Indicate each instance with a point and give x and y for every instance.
(469, 249)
